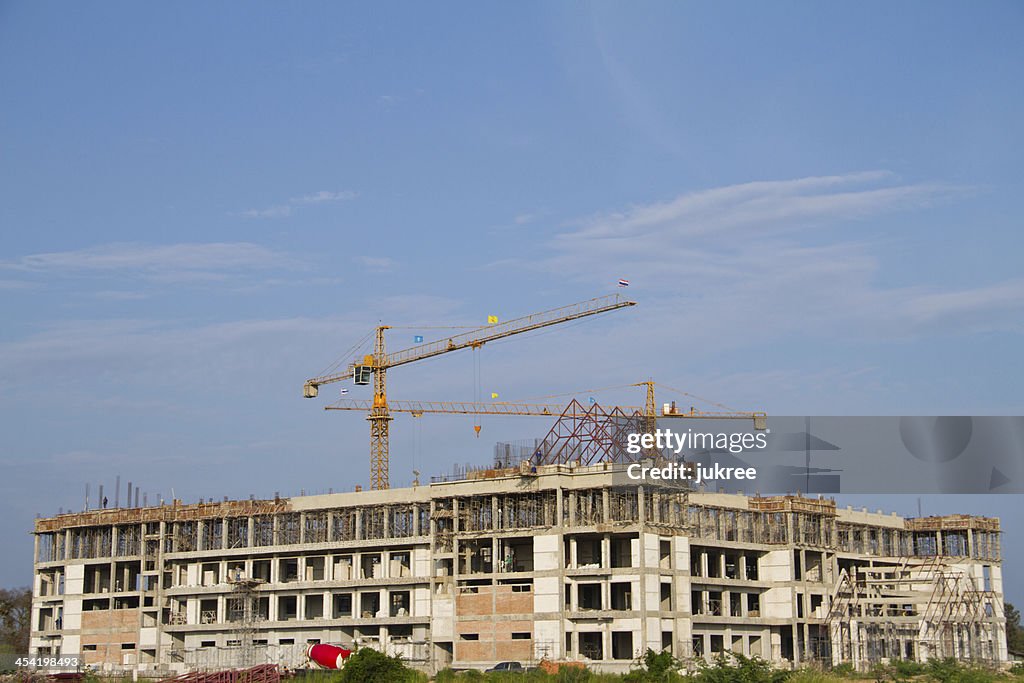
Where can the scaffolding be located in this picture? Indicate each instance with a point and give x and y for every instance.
(243, 612)
(919, 609)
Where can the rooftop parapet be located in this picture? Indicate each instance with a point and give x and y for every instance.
(162, 513)
(818, 506)
(953, 523)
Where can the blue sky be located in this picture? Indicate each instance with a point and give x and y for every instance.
(818, 207)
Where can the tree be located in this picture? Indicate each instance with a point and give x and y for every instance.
(1014, 630)
(15, 618)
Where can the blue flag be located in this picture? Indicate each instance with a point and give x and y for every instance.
(417, 339)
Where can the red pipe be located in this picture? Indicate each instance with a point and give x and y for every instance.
(328, 656)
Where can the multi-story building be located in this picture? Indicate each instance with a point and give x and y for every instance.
(552, 562)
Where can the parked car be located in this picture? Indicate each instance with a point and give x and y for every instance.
(507, 666)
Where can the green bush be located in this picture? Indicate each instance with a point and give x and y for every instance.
(655, 667)
(740, 670)
(367, 665)
(949, 670)
(906, 668)
(844, 670)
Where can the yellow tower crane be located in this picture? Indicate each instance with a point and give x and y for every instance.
(380, 362)
(649, 412)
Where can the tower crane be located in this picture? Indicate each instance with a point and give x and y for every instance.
(377, 365)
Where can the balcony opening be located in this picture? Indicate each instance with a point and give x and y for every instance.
(622, 596)
(313, 607)
(288, 569)
(735, 604)
(370, 566)
(342, 608)
(732, 567)
(399, 603)
(591, 646)
(315, 568)
(589, 596)
(287, 608)
(751, 567)
(622, 645)
(696, 602)
(715, 603)
(588, 553)
(622, 552)
(208, 611)
(369, 605)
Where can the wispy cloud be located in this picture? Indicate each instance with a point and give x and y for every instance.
(196, 260)
(764, 250)
(325, 196)
(378, 264)
(285, 209)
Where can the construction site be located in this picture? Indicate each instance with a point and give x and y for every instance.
(539, 553)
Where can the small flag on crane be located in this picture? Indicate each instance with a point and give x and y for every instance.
(417, 339)
(492, 319)
(593, 400)
(623, 282)
(494, 394)
(344, 390)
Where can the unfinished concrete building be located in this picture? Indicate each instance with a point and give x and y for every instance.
(552, 561)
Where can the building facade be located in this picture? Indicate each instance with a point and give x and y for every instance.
(555, 562)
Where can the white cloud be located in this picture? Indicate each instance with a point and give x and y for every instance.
(325, 196)
(764, 251)
(279, 211)
(196, 259)
(379, 264)
(285, 210)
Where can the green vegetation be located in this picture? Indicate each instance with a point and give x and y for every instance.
(662, 667)
(15, 614)
(1014, 630)
(367, 665)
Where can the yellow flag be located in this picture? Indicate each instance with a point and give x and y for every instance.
(494, 394)
(491, 319)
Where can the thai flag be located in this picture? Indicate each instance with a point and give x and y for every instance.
(623, 282)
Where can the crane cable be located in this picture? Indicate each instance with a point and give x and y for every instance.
(343, 357)
(476, 388)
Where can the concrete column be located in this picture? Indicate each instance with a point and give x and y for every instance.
(558, 504)
(572, 508)
(606, 509)
(641, 516)
(224, 533)
(359, 525)
(415, 520)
